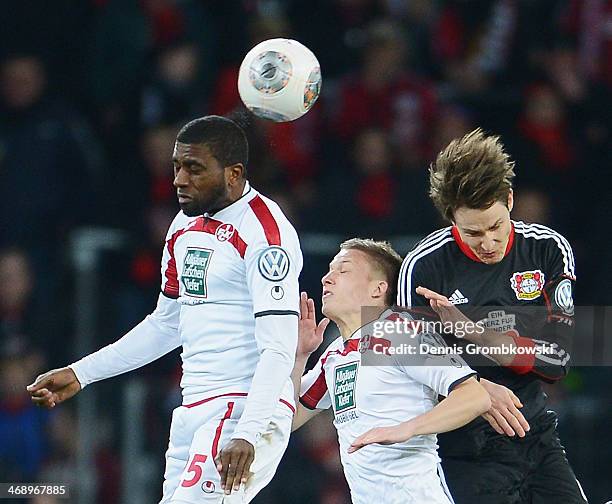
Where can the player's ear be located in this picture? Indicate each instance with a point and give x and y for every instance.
(234, 173)
(380, 290)
(510, 203)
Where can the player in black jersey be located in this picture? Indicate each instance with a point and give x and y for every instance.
(516, 280)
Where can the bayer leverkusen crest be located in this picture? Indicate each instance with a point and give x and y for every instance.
(527, 285)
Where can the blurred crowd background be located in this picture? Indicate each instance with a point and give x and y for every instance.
(92, 93)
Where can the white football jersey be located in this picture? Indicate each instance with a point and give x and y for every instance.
(365, 396)
(225, 270)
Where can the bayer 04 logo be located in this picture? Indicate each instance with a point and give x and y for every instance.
(274, 264)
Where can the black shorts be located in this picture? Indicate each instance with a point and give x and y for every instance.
(504, 470)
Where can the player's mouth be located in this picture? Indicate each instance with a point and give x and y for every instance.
(184, 198)
(488, 255)
(326, 293)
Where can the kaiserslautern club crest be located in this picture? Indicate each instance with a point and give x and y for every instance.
(527, 285)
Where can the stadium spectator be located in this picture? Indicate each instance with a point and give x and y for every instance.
(385, 94)
(23, 435)
(49, 158)
(175, 91)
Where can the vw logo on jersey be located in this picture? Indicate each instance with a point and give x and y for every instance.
(563, 297)
(224, 232)
(274, 264)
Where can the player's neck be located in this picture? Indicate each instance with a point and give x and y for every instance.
(350, 323)
(234, 195)
(237, 191)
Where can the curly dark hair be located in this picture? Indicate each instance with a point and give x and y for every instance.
(225, 139)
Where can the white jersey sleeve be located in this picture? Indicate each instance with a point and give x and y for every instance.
(439, 370)
(154, 337)
(273, 265)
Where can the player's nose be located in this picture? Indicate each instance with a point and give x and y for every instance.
(488, 244)
(181, 179)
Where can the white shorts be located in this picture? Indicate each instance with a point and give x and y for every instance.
(199, 431)
(426, 487)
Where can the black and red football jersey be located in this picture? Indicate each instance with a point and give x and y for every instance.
(529, 294)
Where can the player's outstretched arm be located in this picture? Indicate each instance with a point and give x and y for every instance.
(479, 335)
(465, 402)
(54, 387)
(155, 336)
(310, 337)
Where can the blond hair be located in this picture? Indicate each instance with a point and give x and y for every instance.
(382, 258)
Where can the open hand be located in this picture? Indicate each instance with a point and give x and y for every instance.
(504, 416)
(310, 335)
(234, 464)
(446, 310)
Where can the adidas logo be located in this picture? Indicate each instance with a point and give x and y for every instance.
(458, 298)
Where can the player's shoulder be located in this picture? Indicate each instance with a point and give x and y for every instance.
(264, 221)
(551, 245)
(430, 249)
(335, 346)
(179, 223)
(538, 235)
(538, 232)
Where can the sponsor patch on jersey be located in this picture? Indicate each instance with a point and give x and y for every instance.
(194, 271)
(564, 298)
(224, 232)
(277, 292)
(274, 264)
(499, 321)
(527, 285)
(345, 381)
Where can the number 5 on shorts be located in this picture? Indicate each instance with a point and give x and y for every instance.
(195, 468)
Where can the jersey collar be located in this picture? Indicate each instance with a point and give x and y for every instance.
(468, 251)
(356, 336)
(235, 208)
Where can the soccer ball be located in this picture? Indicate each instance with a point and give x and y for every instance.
(279, 79)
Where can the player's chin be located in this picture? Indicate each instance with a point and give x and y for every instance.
(326, 308)
(190, 209)
(492, 260)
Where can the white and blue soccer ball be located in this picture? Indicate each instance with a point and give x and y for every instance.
(279, 80)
